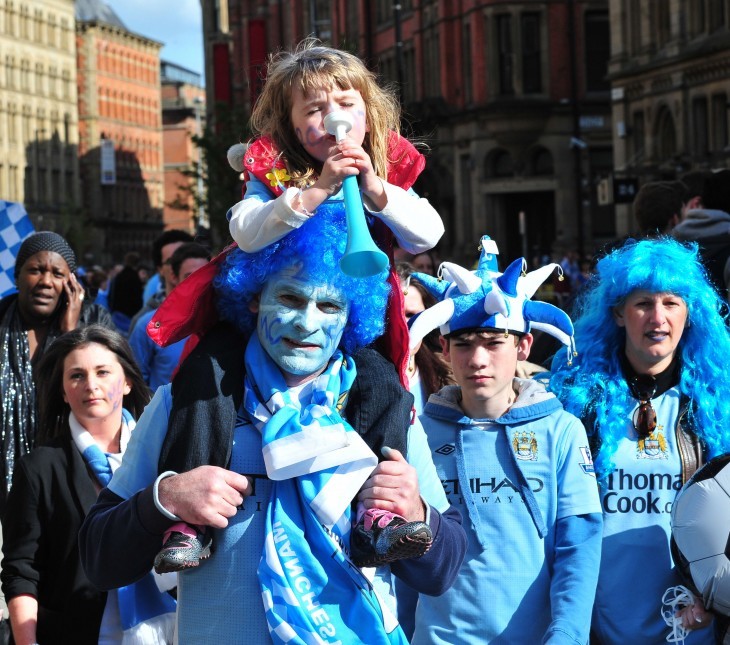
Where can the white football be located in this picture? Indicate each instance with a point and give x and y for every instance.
(701, 533)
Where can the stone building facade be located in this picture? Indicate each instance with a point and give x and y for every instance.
(119, 99)
(670, 77)
(38, 113)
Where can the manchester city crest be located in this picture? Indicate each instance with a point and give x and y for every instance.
(652, 447)
(525, 445)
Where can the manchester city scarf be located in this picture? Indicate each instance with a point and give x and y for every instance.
(311, 591)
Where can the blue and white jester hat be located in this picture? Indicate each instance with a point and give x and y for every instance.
(489, 300)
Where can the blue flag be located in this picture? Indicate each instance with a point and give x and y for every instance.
(15, 226)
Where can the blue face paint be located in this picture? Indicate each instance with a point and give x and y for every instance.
(300, 323)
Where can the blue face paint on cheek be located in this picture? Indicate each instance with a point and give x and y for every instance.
(116, 395)
(314, 136)
(266, 328)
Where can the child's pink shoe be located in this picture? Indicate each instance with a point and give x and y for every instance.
(380, 537)
(184, 546)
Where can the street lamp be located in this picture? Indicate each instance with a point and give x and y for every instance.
(202, 218)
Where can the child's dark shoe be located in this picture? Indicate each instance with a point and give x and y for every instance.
(184, 546)
(380, 537)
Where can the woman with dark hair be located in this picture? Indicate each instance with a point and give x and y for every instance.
(650, 383)
(92, 391)
(427, 371)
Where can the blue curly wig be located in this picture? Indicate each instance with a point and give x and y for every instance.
(594, 386)
(318, 244)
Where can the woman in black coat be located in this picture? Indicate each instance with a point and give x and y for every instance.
(92, 390)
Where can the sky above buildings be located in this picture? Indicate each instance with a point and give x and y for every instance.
(176, 23)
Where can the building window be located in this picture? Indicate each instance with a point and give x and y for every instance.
(383, 12)
(56, 183)
(10, 72)
(500, 164)
(638, 136)
(467, 67)
(697, 17)
(52, 31)
(12, 124)
(64, 35)
(53, 81)
(25, 75)
(597, 51)
(28, 192)
(465, 169)
(719, 122)
(699, 126)
(24, 23)
(66, 80)
(42, 192)
(39, 79)
(531, 54)
(432, 64)
(663, 23)
(666, 136)
(13, 182)
(409, 62)
(716, 14)
(505, 54)
(634, 13)
(10, 20)
(27, 134)
(542, 162)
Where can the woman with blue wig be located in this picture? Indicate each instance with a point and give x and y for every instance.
(270, 429)
(650, 383)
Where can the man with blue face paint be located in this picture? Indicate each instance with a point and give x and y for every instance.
(300, 324)
(289, 407)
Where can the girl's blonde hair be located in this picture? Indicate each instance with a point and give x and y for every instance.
(311, 65)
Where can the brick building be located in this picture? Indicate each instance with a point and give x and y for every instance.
(119, 102)
(512, 98)
(38, 115)
(183, 111)
(670, 73)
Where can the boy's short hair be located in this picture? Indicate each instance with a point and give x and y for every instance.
(165, 238)
(186, 251)
(656, 203)
(483, 332)
(694, 181)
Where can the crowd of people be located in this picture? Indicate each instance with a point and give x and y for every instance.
(256, 447)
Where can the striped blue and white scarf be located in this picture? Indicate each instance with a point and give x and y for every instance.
(147, 614)
(311, 591)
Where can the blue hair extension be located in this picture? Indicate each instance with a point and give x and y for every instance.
(594, 387)
(318, 244)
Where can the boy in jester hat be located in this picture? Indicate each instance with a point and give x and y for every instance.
(513, 462)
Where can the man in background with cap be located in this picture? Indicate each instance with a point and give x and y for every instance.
(514, 463)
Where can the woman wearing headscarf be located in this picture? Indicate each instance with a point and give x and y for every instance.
(650, 383)
(49, 302)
